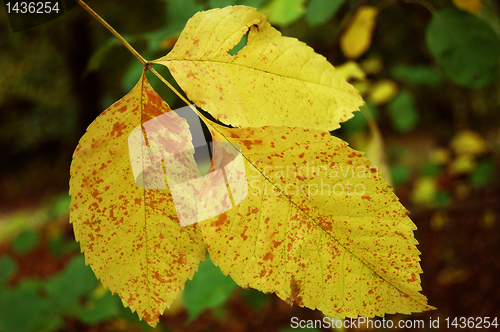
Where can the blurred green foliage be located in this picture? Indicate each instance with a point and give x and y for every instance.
(417, 75)
(320, 11)
(25, 242)
(465, 46)
(35, 305)
(57, 77)
(208, 289)
(403, 112)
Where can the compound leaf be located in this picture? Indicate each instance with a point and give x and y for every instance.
(130, 235)
(273, 80)
(319, 227)
(315, 223)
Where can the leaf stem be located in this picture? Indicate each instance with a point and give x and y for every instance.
(113, 31)
(167, 83)
(147, 64)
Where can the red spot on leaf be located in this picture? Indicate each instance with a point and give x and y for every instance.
(220, 221)
(245, 237)
(295, 292)
(400, 234)
(269, 256)
(248, 144)
(118, 127)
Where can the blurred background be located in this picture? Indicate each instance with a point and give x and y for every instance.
(428, 71)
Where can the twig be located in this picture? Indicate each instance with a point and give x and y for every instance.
(113, 31)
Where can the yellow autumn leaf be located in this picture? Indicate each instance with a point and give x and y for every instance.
(357, 38)
(319, 227)
(273, 80)
(472, 6)
(131, 235)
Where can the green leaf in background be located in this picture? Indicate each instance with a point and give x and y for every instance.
(59, 245)
(8, 267)
(220, 3)
(400, 174)
(252, 3)
(25, 242)
(284, 12)
(403, 112)
(418, 75)
(442, 199)
(66, 288)
(430, 169)
(320, 11)
(102, 309)
(465, 46)
(129, 79)
(208, 289)
(60, 207)
(358, 122)
(355, 124)
(177, 13)
(21, 310)
(224, 3)
(180, 11)
(483, 174)
(255, 298)
(240, 45)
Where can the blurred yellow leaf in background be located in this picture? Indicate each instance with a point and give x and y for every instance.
(424, 191)
(468, 142)
(382, 92)
(472, 6)
(372, 65)
(351, 70)
(357, 38)
(463, 164)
